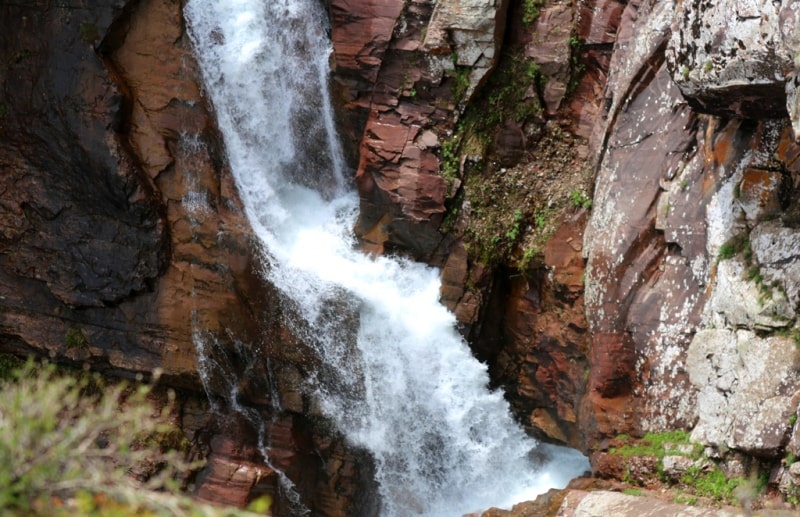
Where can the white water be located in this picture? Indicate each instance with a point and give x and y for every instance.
(396, 377)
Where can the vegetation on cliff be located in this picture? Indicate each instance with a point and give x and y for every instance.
(511, 172)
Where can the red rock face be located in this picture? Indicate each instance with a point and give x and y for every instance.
(402, 193)
(122, 236)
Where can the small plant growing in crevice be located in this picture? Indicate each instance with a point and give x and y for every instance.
(449, 160)
(713, 484)
(89, 33)
(460, 83)
(531, 10)
(733, 246)
(579, 200)
(75, 338)
(577, 67)
(512, 234)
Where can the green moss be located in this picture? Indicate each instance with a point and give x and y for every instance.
(656, 444)
(531, 10)
(75, 338)
(713, 484)
(89, 33)
(734, 246)
(580, 200)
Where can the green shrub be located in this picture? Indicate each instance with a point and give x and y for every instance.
(735, 245)
(66, 436)
(75, 338)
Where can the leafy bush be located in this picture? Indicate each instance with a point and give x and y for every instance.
(71, 437)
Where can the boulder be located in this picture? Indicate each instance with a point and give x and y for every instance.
(746, 388)
(578, 503)
(471, 31)
(731, 59)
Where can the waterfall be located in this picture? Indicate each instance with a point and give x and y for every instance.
(396, 377)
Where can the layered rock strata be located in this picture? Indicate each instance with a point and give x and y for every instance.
(124, 247)
(122, 235)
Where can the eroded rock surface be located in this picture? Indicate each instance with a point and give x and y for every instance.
(731, 57)
(655, 275)
(748, 388)
(123, 244)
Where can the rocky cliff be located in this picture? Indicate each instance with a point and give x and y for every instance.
(673, 304)
(124, 246)
(611, 190)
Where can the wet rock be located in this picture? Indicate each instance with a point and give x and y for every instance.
(232, 478)
(124, 244)
(543, 363)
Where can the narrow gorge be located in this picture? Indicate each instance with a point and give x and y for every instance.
(416, 257)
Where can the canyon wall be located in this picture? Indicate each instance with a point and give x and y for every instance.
(671, 303)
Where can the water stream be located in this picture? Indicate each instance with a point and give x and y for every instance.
(397, 378)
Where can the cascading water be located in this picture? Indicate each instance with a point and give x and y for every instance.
(396, 377)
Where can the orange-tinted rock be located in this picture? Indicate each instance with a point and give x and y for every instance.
(759, 193)
(232, 478)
